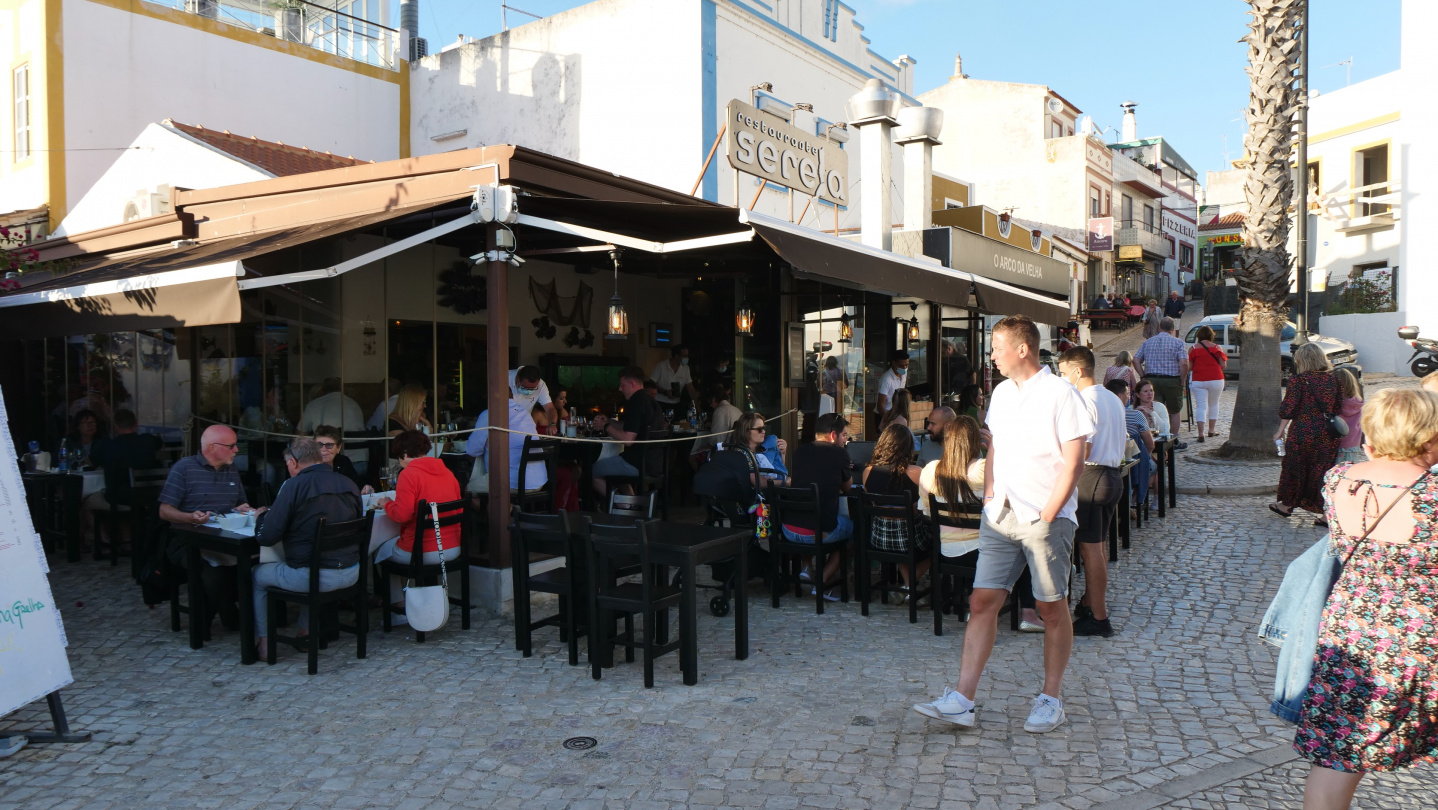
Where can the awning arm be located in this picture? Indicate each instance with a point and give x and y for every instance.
(630, 242)
(150, 281)
(364, 259)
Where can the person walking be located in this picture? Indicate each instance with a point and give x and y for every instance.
(1099, 488)
(1174, 307)
(1039, 427)
(1208, 362)
(1151, 318)
(1164, 359)
(1310, 448)
(1123, 369)
(1371, 700)
(1350, 447)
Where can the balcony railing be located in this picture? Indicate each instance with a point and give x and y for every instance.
(1144, 234)
(321, 27)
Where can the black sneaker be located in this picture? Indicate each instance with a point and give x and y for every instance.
(1083, 612)
(1089, 626)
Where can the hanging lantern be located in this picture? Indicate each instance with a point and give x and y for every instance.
(846, 329)
(618, 325)
(912, 331)
(744, 320)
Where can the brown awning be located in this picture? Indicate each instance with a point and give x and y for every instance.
(827, 257)
(198, 303)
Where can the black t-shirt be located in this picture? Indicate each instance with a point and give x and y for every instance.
(125, 452)
(643, 418)
(826, 464)
(345, 467)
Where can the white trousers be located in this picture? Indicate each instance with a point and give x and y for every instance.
(1205, 399)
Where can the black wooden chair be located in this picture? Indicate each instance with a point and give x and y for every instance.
(151, 480)
(889, 507)
(551, 535)
(653, 474)
(790, 503)
(537, 450)
(452, 513)
(860, 453)
(640, 506)
(962, 568)
(609, 549)
(349, 537)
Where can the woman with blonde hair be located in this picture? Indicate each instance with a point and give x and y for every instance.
(1350, 447)
(1122, 368)
(408, 413)
(1310, 448)
(899, 411)
(1371, 700)
(958, 475)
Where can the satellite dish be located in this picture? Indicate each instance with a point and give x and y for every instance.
(1055, 106)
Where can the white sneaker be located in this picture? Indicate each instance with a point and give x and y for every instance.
(950, 708)
(1047, 715)
(1026, 626)
(804, 575)
(832, 595)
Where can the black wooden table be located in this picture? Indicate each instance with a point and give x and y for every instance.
(246, 551)
(1165, 459)
(686, 546)
(54, 499)
(1121, 528)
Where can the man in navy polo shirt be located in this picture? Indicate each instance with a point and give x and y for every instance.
(205, 484)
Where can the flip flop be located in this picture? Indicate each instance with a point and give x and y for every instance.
(1273, 507)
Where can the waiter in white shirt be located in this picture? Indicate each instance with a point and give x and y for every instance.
(1040, 426)
(1099, 488)
(890, 381)
(526, 385)
(673, 378)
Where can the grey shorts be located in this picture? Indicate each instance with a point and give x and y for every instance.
(1006, 546)
(614, 466)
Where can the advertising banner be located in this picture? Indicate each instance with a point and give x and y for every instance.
(1100, 233)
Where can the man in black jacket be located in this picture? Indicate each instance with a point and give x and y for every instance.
(313, 491)
(1174, 307)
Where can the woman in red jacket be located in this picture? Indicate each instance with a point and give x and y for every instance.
(422, 478)
(1208, 362)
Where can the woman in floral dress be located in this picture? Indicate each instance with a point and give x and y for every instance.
(1309, 449)
(1372, 704)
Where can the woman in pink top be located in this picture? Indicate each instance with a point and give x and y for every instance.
(1122, 368)
(1350, 447)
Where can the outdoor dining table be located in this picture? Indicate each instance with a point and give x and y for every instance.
(1121, 528)
(686, 546)
(1165, 464)
(55, 499)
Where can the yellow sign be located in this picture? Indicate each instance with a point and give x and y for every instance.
(1126, 252)
(1227, 239)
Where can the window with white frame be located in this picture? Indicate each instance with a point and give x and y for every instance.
(22, 112)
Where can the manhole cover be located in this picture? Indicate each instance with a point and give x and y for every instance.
(580, 743)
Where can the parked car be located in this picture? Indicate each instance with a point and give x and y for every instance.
(1225, 334)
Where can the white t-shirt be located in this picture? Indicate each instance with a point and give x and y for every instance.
(722, 419)
(889, 382)
(334, 409)
(541, 398)
(665, 377)
(381, 412)
(1030, 425)
(1110, 433)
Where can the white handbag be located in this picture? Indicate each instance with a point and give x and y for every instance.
(426, 608)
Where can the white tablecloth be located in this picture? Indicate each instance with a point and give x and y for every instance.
(94, 482)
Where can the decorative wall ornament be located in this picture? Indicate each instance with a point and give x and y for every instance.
(461, 290)
(574, 340)
(543, 329)
(564, 310)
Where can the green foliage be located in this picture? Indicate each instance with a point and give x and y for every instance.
(1365, 295)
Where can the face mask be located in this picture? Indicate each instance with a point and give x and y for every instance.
(526, 393)
(683, 361)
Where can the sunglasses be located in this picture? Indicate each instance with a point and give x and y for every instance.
(760, 429)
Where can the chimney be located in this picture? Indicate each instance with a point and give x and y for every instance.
(872, 111)
(959, 67)
(918, 132)
(1130, 121)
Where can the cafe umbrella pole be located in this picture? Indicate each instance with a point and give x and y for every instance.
(497, 375)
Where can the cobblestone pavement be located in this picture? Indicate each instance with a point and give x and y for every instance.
(1172, 709)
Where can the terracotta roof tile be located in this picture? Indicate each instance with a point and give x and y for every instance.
(1223, 223)
(275, 157)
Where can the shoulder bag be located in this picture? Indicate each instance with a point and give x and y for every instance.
(427, 607)
(1293, 620)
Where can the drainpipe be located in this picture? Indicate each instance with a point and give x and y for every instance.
(918, 133)
(872, 111)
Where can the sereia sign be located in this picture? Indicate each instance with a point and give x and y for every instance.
(767, 146)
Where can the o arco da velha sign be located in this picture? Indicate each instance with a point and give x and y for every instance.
(771, 148)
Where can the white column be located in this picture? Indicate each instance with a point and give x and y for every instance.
(876, 203)
(918, 185)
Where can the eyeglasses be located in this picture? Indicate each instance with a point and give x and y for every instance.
(327, 445)
(233, 446)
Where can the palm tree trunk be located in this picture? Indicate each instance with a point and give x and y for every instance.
(1263, 281)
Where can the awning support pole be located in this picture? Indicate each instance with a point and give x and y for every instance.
(497, 377)
(362, 260)
(718, 139)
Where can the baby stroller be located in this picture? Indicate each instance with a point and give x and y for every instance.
(723, 487)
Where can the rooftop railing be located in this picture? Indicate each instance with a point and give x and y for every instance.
(322, 27)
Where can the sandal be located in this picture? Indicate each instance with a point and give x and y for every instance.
(1274, 508)
(1321, 523)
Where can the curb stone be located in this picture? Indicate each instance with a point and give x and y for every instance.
(1229, 491)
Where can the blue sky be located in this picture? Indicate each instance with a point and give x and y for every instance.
(1179, 59)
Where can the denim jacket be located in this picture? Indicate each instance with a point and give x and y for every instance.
(1292, 623)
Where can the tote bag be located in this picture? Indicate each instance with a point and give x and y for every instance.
(427, 607)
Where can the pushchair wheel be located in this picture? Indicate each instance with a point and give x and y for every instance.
(719, 606)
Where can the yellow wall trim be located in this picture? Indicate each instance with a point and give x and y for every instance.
(54, 111)
(1352, 128)
(249, 37)
(404, 110)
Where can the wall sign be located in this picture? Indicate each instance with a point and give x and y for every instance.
(1130, 253)
(1100, 233)
(769, 147)
(1182, 227)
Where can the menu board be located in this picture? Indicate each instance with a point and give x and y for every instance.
(32, 637)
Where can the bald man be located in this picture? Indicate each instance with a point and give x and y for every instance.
(932, 447)
(201, 485)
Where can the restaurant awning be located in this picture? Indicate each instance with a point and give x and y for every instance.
(197, 296)
(819, 255)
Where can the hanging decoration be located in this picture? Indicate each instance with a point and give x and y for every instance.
(846, 328)
(574, 340)
(617, 325)
(543, 329)
(564, 310)
(744, 320)
(461, 290)
(913, 330)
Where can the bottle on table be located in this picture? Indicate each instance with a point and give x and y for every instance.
(64, 458)
(33, 461)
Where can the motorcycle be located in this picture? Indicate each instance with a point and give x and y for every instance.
(1425, 351)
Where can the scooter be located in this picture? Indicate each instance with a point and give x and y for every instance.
(1425, 351)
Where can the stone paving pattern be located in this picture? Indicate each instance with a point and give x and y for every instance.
(818, 716)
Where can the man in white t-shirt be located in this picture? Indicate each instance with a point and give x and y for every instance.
(527, 386)
(892, 380)
(1099, 488)
(1040, 426)
(332, 407)
(673, 378)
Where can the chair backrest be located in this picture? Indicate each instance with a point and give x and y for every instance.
(636, 505)
(545, 531)
(964, 515)
(611, 540)
(460, 464)
(861, 453)
(539, 450)
(792, 501)
(898, 506)
(150, 477)
(334, 539)
(450, 514)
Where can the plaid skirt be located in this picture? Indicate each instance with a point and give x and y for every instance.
(890, 534)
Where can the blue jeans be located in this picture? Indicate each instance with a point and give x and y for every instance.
(298, 580)
(843, 530)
